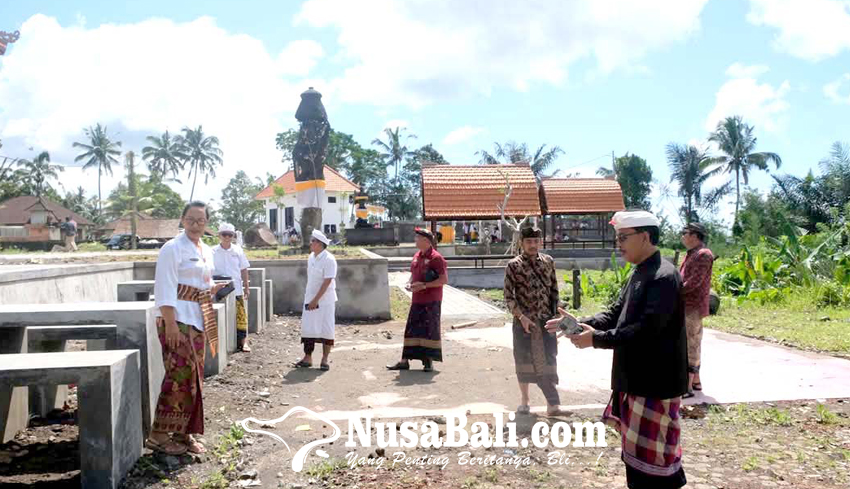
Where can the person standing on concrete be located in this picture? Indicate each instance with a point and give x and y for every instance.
(69, 233)
(646, 329)
(428, 275)
(318, 321)
(186, 321)
(531, 296)
(230, 260)
(696, 285)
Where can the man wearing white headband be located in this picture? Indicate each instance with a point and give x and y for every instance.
(318, 318)
(646, 329)
(230, 260)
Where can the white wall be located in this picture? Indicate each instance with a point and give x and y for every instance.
(337, 213)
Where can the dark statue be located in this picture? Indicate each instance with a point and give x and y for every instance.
(308, 158)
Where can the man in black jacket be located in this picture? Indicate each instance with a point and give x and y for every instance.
(646, 329)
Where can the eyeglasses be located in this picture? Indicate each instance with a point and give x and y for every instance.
(226, 235)
(621, 238)
(195, 222)
(686, 233)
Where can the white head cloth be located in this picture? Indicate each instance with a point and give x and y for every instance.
(226, 228)
(634, 219)
(320, 236)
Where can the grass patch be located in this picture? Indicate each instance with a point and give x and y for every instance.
(325, 468)
(797, 322)
(92, 246)
(825, 416)
(399, 304)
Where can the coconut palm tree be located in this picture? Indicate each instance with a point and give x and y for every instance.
(394, 151)
(100, 152)
(514, 153)
(164, 156)
(39, 171)
(690, 169)
(201, 152)
(735, 140)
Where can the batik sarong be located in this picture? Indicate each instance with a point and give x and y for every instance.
(650, 433)
(422, 333)
(180, 408)
(535, 356)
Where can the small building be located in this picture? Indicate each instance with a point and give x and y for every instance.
(34, 221)
(577, 211)
(337, 209)
(147, 227)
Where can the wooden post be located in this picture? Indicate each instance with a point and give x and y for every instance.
(576, 289)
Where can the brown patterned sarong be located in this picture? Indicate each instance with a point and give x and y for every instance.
(180, 408)
(204, 298)
(536, 359)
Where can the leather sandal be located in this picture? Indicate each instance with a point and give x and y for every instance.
(523, 409)
(302, 364)
(168, 447)
(399, 366)
(428, 366)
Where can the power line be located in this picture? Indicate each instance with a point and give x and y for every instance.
(586, 162)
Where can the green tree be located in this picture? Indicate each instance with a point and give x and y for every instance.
(635, 178)
(285, 142)
(39, 172)
(689, 168)
(201, 152)
(164, 156)
(514, 153)
(735, 140)
(238, 206)
(100, 153)
(155, 198)
(394, 149)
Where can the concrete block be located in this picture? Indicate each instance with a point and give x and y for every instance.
(110, 415)
(255, 310)
(269, 300)
(214, 365)
(14, 411)
(136, 328)
(135, 290)
(230, 313)
(51, 339)
(257, 278)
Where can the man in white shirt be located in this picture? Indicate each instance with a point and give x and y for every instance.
(318, 318)
(230, 260)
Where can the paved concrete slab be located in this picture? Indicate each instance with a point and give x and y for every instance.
(110, 416)
(136, 323)
(456, 303)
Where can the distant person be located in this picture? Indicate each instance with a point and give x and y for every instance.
(318, 319)
(230, 260)
(69, 234)
(646, 329)
(428, 275)
(531, 296)
(696, 285)
(186, 322)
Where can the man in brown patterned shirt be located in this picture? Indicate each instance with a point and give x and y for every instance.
(531, 295)
(696, 286)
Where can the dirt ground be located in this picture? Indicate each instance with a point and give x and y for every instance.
(801, 444)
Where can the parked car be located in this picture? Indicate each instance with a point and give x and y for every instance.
(119, 242)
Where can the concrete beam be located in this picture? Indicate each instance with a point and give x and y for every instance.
(269, 298)
(214, 365)
(257, 278)
(255, 310)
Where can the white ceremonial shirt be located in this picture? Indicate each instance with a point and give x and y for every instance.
(180, 262)
(319, 268)
(231, 262)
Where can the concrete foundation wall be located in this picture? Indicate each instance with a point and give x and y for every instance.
(56, 284)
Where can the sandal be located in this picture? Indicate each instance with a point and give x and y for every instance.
(325, 367)
(523, 409)
(169, 447)
(399, 366)
(558, 412)
(428, 366)
(302, 364)
(697, 386)
(688, 395)
(245, 348)
(192, 445)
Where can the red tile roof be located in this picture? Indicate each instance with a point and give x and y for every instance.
(473, 192)
(334, 182)
(17, 211)
(582, 195)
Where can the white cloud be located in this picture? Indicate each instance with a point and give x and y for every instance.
(463, 134)
(142, 78)
(808, 29)
(831, 90)
(760, 104)
(415, 52)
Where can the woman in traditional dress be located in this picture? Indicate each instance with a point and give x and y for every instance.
(428, 274)
(319, 317)
(186, 322)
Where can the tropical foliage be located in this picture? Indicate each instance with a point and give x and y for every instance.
(201, 154)
(99, 152)
(511, 152)
(635, 178)
(689, 168)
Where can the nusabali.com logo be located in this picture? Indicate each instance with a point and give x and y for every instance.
(501, 433)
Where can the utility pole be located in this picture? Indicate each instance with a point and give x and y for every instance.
(130, 158)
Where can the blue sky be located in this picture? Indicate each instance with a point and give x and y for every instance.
(590, 77)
